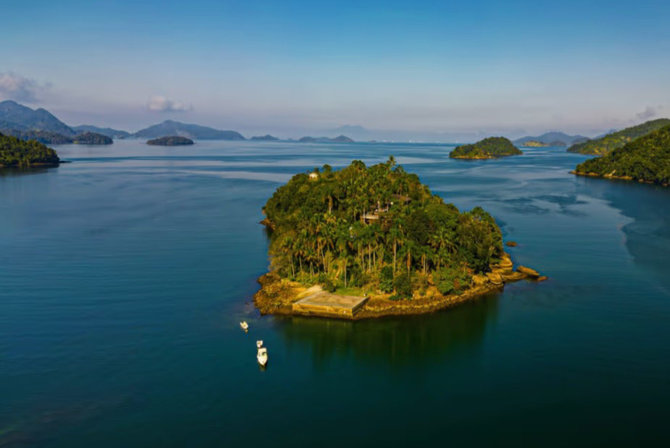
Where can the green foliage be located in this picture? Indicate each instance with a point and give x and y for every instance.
(92, 138)
(386, 279)
(489, 148)
(451, 280)
(365, 226)
(17, 152)
(403, 285)
(647, 159)
(618, 139)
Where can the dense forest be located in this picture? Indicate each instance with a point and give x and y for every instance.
(610, 142)
(489, 148)
(17, 152)
(646, 158)
(378, 228)
(170, 141)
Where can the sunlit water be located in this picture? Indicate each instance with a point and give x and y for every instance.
(124, 275)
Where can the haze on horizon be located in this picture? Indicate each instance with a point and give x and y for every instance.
(442, 71)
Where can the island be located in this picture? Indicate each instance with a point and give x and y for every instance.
(92, 138)
(535, 144)
(173, 140)
(15, 152)
(365, 242)
(646, 159)
(338, 139)
(489, 148)
(265, 138)
(607, 143)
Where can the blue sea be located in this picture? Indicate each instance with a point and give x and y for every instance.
(124, 276)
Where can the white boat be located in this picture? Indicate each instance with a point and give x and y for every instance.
(244, 325)
(259, 344)
(262, 356)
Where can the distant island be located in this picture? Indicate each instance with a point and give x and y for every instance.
(646, 159)
(193, 131)
(92, 138)
(173, 140)
(109, 132)
(535, 144)
(338, 139)
(610, 142)
(265, 138)
(489, 148)
(373, 241)
(553, 138)
(15, 152)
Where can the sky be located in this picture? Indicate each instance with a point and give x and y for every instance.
(423, 70)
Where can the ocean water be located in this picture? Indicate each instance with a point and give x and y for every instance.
(124, 275)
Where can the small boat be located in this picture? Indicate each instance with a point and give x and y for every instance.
(262, 356)
(259, 344)
(244, 325)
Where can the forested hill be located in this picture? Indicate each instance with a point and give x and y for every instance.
(489, 148)
(376, 227)
(644, 159)
(17, 152)
(610, 142)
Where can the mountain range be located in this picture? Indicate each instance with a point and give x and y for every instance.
(553, 138)
(15, 116)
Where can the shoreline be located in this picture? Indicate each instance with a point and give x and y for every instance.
(611, 176)
(277, 296)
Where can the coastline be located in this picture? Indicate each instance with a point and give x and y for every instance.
(611, 176)
(278, 296)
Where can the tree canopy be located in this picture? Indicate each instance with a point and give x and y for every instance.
(17, 152)
(646, 158)
(610, 142)
(376, 227)
(489, 148)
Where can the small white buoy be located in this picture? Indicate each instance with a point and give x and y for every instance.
(259, 344)
(244, 325)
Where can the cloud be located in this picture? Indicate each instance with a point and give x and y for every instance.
(159, 103)
(649, 112)
(20, 88)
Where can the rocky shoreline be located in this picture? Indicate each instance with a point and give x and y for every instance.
(612, 176)
(277, 296)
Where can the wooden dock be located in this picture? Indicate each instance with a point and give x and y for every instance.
(322, 303)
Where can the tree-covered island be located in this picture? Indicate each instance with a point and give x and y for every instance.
(377, 232)
(646, 159)
(489, 148)
(173, 140)
(15, 152)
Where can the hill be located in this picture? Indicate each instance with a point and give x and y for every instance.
(15, 116)
(45, 137)
(553, 138)
(170, 141)
(193, 131)
(610, 142)
(92, 138)
(338, 139)
(20, 153)
(489, 148)
(109, 132)
(646, 159)
(265, 138)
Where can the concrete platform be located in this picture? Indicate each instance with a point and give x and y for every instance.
(323, 303)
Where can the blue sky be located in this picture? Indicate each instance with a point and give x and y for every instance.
(433, 70)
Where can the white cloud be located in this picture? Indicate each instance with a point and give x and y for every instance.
(649, 112)
(159, 103)
(20, 88)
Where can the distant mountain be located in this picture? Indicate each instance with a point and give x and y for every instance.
(338, 139)
(193, 131)
(610, 142)
(22, 118)
(109, 132)
(45, 137)
(173, 140)
(645, 159)
(551, 138)
(265, 138)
